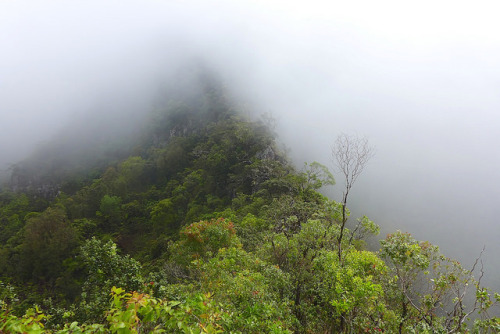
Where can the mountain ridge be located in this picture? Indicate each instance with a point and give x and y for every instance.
(200, 224)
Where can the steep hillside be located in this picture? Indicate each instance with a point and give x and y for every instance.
(197, 223)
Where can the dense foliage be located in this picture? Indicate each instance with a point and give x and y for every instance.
(204, 227)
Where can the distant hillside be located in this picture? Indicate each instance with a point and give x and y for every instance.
(109, 134)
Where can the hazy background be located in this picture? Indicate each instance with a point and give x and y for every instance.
(420, 79)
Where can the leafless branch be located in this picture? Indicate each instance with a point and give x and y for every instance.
(350, 154)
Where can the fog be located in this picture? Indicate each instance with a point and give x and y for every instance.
(420, 80)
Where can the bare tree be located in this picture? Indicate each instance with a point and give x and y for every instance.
(350, 154)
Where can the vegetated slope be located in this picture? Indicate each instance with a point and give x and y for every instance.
(220, 234)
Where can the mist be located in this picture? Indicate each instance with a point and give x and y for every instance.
(419, 80)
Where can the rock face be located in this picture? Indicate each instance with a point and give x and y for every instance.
(30, 182)
(267, 154)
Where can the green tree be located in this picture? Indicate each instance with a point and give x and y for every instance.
(105, 268)
(295, 255)
(351, 294)
(13, 209)
(204, 238)
(165, 215)
(49, 239)
(249, 289)
(110, 211)
(430, 289)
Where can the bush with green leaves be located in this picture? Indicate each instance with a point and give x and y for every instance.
(432, 291)
(105, 268)
(351, 293)
(249, 290)
(204, 238)
(130, 313)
